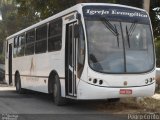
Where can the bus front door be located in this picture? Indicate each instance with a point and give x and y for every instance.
(10, 64)
(71, 60)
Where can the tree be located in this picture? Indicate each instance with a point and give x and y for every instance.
(41, 9)
(155, 18)
(5, 7)
(11, 22)
(37, 10)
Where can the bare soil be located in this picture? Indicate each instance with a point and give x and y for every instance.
(131, 105)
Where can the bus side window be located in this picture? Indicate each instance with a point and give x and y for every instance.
(30, 40)
(55, 35)
(41, 39)
(21, 45)
(81, 52)
(15, 46)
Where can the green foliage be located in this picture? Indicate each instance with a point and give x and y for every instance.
(41, 9)
(36, 10)
(154, 13)
(3, 26)
(8, 24)
(157, 47)
(2, 58)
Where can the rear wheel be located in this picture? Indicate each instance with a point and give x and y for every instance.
(58, 100)
(18, 84)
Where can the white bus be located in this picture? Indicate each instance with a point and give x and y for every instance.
(89, 51)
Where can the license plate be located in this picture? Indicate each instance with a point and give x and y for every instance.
(125, 91)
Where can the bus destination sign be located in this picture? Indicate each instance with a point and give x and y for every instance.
(116, 13)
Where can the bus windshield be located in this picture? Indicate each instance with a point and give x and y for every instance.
(117, 46)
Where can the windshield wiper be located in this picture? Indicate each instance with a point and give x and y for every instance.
(117, 35)
(131, 29)
(130, 32)
(128, 40)
(111, 27)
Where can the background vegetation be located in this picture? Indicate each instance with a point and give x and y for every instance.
(19, 14)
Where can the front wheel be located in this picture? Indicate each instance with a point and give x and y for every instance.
(58, 100)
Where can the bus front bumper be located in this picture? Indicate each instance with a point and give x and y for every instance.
(87, 91)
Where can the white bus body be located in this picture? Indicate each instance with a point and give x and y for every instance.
(76, 42)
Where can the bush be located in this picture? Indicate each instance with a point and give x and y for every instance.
(2, 59)
(157, 48)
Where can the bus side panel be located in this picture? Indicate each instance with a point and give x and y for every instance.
(35, 69)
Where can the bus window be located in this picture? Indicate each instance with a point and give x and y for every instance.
(81, 52)
(30, 38)
(55, 35)
(15, 46)
(21, 45)
(41, 39)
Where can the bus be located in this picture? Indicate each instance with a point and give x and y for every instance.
(91, 51)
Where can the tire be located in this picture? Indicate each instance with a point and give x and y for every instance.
(58, 100)
(18, 84)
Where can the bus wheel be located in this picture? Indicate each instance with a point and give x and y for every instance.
(58, 100)
(18, 84)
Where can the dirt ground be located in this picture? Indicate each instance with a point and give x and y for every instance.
(133, 105)
(130, 105)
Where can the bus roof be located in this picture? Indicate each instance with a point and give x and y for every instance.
(67, 11)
